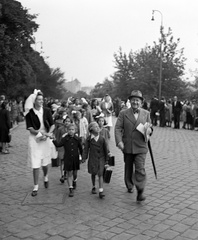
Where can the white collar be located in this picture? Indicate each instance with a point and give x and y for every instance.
(38, 111)
(95, 137)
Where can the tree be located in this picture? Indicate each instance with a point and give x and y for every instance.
(16, 30)
(140, 70)
(21, 67)
(100, 89)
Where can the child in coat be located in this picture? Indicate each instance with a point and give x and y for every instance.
(61, 132)
(73, 148)
(104, 132)
(97, 153)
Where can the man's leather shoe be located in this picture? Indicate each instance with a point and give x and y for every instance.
(46, 184)
(34, 193)
(130, 190)
(140, 196)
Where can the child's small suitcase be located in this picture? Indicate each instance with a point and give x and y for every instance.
(107, 175)
(111, 161)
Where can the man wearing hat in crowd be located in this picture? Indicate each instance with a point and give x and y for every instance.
(132, 130)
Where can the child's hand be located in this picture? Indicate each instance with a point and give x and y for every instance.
(106, 165)
(109, 154)
(82, 160)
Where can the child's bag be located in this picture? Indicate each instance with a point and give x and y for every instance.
(111, 161)
(107, 174)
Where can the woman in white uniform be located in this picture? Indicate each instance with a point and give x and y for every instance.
(40, 124)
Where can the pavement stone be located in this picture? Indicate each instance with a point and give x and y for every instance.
(169, 212)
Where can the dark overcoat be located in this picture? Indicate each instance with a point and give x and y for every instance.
(73, 148)
(5, 125)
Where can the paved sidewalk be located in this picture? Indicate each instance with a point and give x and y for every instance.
(169, 212)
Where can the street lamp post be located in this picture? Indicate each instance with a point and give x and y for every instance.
(161, 32)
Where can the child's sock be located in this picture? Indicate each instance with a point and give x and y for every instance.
(46, 178)
(35, 187)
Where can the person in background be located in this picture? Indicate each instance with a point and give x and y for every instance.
(132, 130)
(61, 132)
(154, 107)
(168, 113)
(95, 108)
(193, 113)
(40, 124)
(177, 109)
(5, 126)
(104, 132)
(162, 112)
(73, 148)
(107, 109)
(97, 154)
(81, 125)
(87, 112)
(184, 114)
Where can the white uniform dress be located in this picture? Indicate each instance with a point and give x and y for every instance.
(39, 152)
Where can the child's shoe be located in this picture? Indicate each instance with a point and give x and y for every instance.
(65, 175)
(93, 191)
(71, 192)
(101, 195)
(74, 184)
(62, 179)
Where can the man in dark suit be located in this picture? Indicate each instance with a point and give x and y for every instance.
(177, 108)
(131, 133)
(154, 107)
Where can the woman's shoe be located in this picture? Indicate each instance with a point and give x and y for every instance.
(62, 179)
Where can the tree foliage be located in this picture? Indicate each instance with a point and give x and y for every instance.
(140, 70)
(21, 67)
(100, 89)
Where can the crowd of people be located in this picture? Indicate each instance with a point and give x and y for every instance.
(171, 112)
(78, 130)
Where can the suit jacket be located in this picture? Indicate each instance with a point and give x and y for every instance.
(177, 108)
(125, 131)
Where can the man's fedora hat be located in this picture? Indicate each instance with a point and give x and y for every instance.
(137, 94)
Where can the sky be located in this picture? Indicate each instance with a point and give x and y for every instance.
(81, 36)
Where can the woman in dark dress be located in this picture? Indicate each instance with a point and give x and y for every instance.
(5, 126)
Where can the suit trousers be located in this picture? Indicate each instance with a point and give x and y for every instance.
(135, 176)
(176, 120)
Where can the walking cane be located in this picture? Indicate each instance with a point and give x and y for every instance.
(152, 158)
